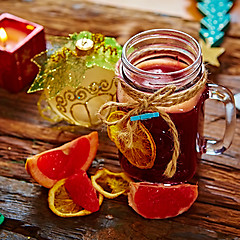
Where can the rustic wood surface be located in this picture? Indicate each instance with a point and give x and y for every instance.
(215, 214)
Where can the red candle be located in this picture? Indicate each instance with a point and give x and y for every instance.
(20, 41)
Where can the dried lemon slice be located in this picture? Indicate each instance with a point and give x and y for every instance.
(142, 152)
(62, 205)
(117, 183)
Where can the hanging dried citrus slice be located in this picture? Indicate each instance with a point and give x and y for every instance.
(62, 205)
(141, 152)
(110, 184)
(114, 130)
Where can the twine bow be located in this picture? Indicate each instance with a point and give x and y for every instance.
(156, 102)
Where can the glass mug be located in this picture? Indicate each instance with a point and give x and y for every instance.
(158, 58)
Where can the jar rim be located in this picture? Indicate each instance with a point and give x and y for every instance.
(186, 36)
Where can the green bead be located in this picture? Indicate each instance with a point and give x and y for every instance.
(1, 219)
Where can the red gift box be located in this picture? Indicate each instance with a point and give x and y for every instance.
(25, 40)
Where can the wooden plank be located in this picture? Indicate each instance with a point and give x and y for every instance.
(16, 149)
(7, 235)
(25, 204)
(218, 177)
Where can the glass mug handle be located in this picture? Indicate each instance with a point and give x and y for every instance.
(222, 94)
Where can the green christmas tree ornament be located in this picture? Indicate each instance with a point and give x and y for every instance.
(214, 7)
(215, 23)
(76, 77)
(213, 26)
(213, 37)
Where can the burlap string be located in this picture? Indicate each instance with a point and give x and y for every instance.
(164, 97)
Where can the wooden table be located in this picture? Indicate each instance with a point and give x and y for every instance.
(215, 214)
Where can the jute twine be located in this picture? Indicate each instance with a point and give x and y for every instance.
(155, 102)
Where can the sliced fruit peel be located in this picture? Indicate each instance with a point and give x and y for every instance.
(112, 179)
(32, 167)
(58, 197)
(36, 174)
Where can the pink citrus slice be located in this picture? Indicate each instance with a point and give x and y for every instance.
(50, 166)
(156, 201)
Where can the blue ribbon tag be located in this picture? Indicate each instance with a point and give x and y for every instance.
(144, 116)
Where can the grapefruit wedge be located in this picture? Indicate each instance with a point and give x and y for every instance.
(82, 192)
(53, 165)
(157, 201)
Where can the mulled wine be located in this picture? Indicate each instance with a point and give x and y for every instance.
(186, 119)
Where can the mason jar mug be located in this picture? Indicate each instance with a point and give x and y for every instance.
(161, 72)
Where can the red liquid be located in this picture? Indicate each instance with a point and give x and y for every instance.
(162, 65)
(189, 126)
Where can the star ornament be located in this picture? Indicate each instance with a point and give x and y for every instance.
(211, 54)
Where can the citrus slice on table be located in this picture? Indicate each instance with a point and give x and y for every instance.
(157, 201)
(110, 184)
(67, 196)
(50, 166)
(141, 153)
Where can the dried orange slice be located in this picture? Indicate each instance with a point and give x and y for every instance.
(141, 153)
(110, 184)
(114, 130)
(62, 205)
